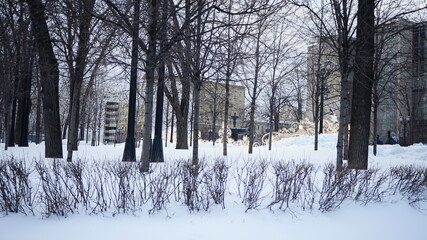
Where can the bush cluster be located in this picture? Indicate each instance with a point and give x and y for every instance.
(59, 188)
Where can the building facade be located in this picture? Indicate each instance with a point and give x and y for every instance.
(110, 122)
(323, 82)
(116, 122)
(212, 105)
(419, 91)
(394, 76)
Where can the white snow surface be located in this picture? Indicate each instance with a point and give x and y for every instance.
(393, 219)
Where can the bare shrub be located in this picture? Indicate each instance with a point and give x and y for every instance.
(337, 186)
(78, 179)
(250, 181)
(100, 197)
(54, 197)
(293, 182)
(411, 182)
(160, 188)
(216, 181)
(15, 187)
(120, 183)
(59, 188)
(192, 177)
(370, 186)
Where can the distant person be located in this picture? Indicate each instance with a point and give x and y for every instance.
(379, 141)
(393, 138)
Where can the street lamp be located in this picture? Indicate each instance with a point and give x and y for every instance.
(322, 75)
(404, 121)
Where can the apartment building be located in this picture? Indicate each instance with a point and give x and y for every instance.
(116, 122)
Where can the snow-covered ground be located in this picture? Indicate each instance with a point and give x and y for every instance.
(392, 219)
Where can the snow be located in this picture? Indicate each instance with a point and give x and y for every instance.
(392, 219)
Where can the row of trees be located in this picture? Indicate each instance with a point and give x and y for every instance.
(349, 29)
(80, 47)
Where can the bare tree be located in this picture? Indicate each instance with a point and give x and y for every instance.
(77, 71)
(236, 29)
(336, 25)
(257, 58)
(150, 71)
(49, 79)
(280, 62)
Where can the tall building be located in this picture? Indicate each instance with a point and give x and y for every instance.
(116, 122)
(110, 122)
(419, 94)
(393, 73)
(212, 104)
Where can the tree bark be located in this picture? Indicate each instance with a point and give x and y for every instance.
(157, 154)
(254, 94)
(227, 86)
(11, 131)
(195, 157)
(38, 111)
(172, 122)
(197, 82)
(129, 151)
(49, 80)
(150, 70)
(24, 91)
(77, 79)
(362, 87)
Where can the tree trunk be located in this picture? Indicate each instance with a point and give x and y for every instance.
(375, 132)
(87, 127)
(195, 158)
(227, 88)
(254, 94)
(343, 118)
(38, 111)
(180, 106)
(277, 120)
(150, 70)
(172, 122)
(270, 133)
(157, 154)
(181, 132)
(65, 128)
(215, 114)
(6, 128)
(129, 151)
(362, 87)
(100, 110)
(24, 98)
(11, 141)
(316, 117)
(197, 83)
(94, 123)
(77, 79)
(167, 124)
(49, 79)
(83, 122)
(192, 121)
